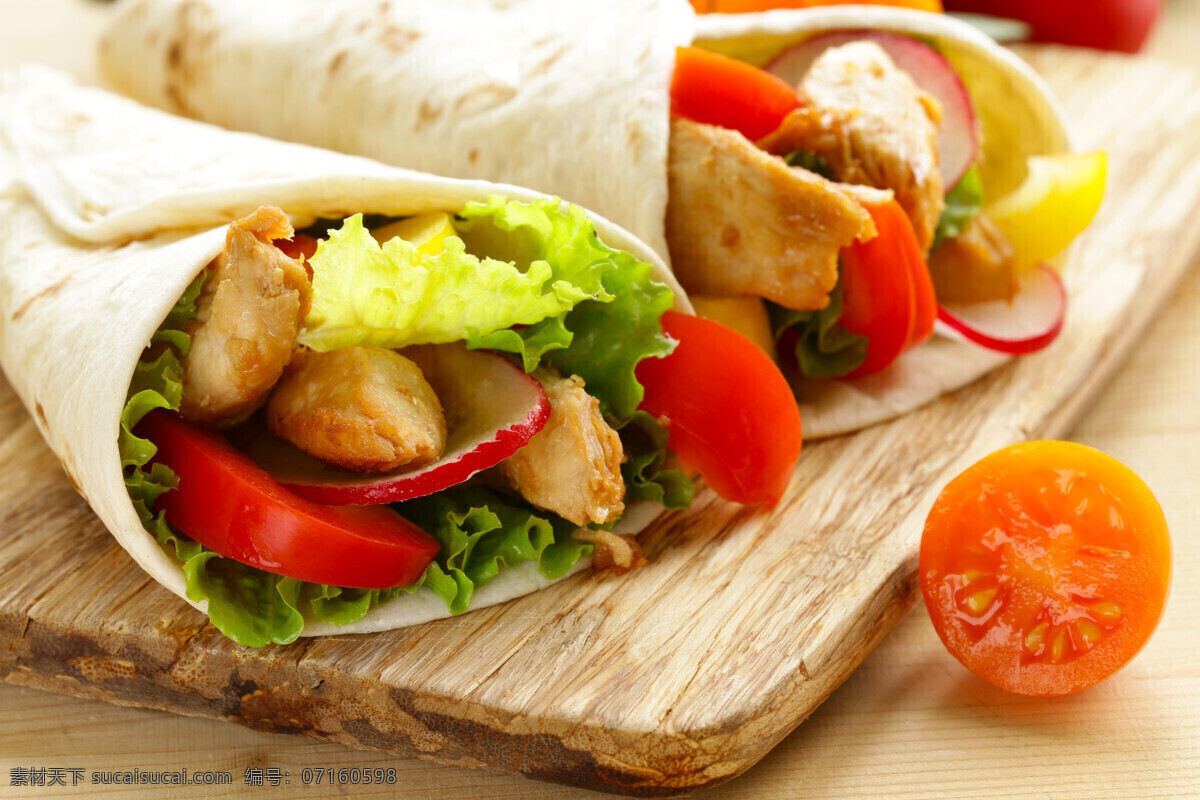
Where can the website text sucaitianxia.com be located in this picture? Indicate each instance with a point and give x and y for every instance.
(42, 776)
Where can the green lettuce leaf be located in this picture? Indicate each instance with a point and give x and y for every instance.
(394, 296)
(483, 532)
(813, 162)
(824, 349)
(644, 441)
(610, 339)
(157, 383)
(963, 203)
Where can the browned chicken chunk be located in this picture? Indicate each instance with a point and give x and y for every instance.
(873, 125)
(365, 409)
(617, 553)
(741, 222)
(977, 265)
(247, 318)
(573, 465)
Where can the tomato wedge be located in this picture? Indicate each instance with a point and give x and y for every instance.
(730, 413)
(229, 505)
(1045, 567)
(718, 90)
(889, 296)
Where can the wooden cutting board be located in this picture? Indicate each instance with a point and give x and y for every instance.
(677, 676)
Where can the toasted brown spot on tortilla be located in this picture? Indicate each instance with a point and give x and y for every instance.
(426, 115)
(182, 71)
(49, 291)
(336, 62)
(397, 39)
(484, 97)
(473, 156)
(181, 104)
(635, 137)
(546, 63)
(730, 235)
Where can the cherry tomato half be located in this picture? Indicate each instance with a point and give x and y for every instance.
(718, 90)
(730, 413)
(226, 503)
(1045, 567)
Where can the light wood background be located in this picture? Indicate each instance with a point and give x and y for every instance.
(909, 723)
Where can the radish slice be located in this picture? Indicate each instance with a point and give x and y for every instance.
(958, 139)
(492, 410)
(1030, 322)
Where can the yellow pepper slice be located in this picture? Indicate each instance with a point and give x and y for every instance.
(746, 315)
(1058, 199)
(427, 232)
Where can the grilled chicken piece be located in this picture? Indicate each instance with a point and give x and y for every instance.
(364, 409)
(247, 317)
(741, 222)
(573, 465)
(618, 553)
(977, 265)
(873, 125)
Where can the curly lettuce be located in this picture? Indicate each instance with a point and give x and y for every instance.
(823, 348)
(394, 295)
(579, 306)
(963, 203)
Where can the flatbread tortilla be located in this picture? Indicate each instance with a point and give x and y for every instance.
(568, 98)
(109, 211)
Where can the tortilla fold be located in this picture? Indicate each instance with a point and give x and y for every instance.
(110, 210)
(568, 98)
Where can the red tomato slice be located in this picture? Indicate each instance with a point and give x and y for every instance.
(1045, 567)
(729, 412)
(880, 300)
(229, 505)
(719, 90)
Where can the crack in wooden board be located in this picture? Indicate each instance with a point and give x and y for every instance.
(678, 676)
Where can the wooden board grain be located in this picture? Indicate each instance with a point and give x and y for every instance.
(674, 677)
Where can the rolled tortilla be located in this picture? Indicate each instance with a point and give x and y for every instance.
(568, 98)
(109, 211)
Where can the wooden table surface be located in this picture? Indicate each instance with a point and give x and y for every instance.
(909, 723)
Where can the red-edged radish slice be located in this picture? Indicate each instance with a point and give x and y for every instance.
(492, 410)
(1030, 322)
(958, 140)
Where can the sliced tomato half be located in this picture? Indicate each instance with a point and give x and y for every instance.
(1045, 567)
(729, 411)
(229, 505)
(889, 296)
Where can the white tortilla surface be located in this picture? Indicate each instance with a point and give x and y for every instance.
(570, 98)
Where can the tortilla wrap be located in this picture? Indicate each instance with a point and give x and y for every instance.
(109, 211)
(568, 98)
